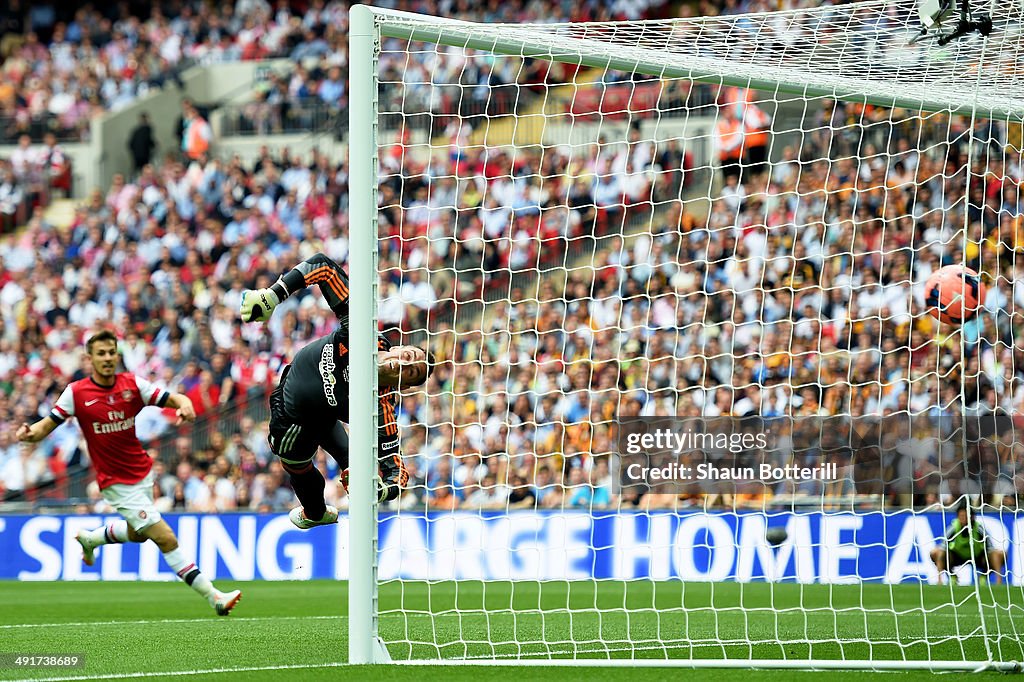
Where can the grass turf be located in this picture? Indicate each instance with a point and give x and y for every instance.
(162, 628)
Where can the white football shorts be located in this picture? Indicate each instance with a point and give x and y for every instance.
(134, 501)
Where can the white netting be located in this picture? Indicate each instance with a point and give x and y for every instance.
(858, 50)
(580, 245)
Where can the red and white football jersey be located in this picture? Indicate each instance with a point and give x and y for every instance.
(106, 416)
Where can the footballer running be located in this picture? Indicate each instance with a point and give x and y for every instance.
(105, 405)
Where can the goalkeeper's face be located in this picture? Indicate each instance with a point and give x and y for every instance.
(402, 366)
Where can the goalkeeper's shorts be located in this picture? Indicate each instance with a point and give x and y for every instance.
(980, 560)
(296, 443)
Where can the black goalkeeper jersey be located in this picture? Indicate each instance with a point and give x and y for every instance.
(316, 389)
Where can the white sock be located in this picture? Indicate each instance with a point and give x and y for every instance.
(188, 572)
(114, 532)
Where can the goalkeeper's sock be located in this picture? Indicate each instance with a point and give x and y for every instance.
(112, 533)
(188, 572)
(309, 488)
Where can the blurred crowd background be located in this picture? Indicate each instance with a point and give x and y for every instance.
(559, 288)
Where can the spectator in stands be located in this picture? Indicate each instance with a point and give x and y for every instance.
(12, 198)
(55, 166)
(196, 134)
(332, 89)
(12, 27)
(141, 143)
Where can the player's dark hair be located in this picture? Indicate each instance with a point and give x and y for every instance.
(105, 335)
(430, 363)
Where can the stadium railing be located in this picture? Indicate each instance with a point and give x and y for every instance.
(226, 420)
(307, 115)
(12, 127)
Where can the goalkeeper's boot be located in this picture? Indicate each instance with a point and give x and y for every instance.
(258, 306)
(298, 518)
(88, 549)
(223, 602)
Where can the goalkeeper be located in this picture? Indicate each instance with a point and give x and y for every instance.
(310, 403)
(967, 542)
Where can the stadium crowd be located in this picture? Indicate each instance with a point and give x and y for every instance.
(741, 313)
(58, 72)
(799, 293)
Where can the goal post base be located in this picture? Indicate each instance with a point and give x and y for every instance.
(736, 663)
(380, 651)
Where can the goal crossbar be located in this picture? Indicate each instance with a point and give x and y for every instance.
(557, 42)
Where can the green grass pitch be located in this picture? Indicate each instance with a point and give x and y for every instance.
(296, 629)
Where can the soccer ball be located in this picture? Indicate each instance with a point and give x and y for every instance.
(954, 293)
(776, 535)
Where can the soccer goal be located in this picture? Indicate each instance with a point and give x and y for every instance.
(608, 230)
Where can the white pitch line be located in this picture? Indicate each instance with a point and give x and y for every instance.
(181, 673)
(451, 614)
(103, 623)
(243, 619)
(333, 664)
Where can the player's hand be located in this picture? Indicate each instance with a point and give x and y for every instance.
(186, 412)
(382, 487)
(24, 434)
(258, 306)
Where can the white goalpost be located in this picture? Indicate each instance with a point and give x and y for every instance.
(723, 225)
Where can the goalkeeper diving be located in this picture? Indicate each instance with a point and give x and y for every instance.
(309, 406)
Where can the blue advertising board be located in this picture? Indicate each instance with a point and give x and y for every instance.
(524, 545)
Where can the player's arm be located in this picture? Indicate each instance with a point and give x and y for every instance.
(951, 533)
(393, 474)
(33, 433)
(984, 537)
(258, 306)
(183, 405)
(62, 410)
(154, 395)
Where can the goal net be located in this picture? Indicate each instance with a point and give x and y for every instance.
(689, 405)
